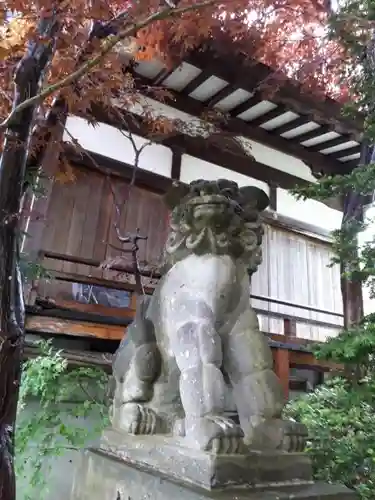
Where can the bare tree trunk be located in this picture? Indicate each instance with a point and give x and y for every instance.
(28, 76)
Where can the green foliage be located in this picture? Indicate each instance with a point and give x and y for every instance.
(352, 26)
(66, 398)
(354, 347)
(32, 270)
(339, 414)
(340, 420)
(360, 179)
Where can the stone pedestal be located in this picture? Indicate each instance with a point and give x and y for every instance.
(126, 467)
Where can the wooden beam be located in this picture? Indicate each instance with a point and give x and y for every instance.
(301, 359)
(266, 117)
(221, 95)
(346, 152)
(153, 182)
(196, 82)
(337, 141)
(176, 163)
(46, 254)
(281, 368)
(162, 76)
(90, 280)
(72, 305)
(244, 106)
(236, 66)
(291, 125)
(57, 326)
(201, 148)
(312, 134)
(273, 196)
(75, 357)
(290, 328)
(239, 127)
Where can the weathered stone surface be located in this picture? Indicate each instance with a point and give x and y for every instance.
(102, 476)
(199, 338)
(168, 456)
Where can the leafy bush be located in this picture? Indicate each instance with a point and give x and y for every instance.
(65, 398)
(340, 420)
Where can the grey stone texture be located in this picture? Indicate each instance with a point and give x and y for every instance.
(103, 475)
(196, 344)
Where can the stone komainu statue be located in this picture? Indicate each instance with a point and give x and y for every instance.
(197, 338)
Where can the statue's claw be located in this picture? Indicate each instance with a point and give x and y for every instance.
(215, 434)
(279, 434)
(294, 437)
(138, 419)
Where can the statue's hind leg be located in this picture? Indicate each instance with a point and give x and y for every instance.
(134, 389)
(256, 389)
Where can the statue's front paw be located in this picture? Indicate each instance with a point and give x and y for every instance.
(215, 434)
(135, 418)
(278, 434)
(294, 437)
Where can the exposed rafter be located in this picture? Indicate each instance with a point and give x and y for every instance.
(221, 95)
(268, 116)
(197, 81)
(245, 106)
(331, 143)
(291, 125)
(313, 134)
(317, 161)
(240, 70)
(342, 153)
(253, 97)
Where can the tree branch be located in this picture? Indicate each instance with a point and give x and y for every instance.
(107, 47)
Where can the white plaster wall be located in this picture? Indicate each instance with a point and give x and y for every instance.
(111, 142)
(193, 168)
(309, 211)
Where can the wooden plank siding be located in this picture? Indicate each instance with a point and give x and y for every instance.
(80, 223)
(297, 269)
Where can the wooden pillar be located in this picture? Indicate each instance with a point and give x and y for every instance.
(281, 367)
(290, 328)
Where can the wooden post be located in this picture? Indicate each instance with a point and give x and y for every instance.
(290, 328)
(281, 367)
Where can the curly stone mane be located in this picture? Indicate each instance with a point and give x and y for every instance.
(216, 217)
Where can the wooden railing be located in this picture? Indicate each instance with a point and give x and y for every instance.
(56, 296)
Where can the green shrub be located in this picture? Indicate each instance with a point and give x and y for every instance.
(340, 418)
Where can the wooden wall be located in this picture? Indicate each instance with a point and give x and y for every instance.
(297, 269)
(82, 215)
(80, 221)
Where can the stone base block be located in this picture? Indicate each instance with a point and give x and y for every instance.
(128, 467)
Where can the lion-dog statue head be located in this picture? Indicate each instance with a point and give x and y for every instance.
(215, 217)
